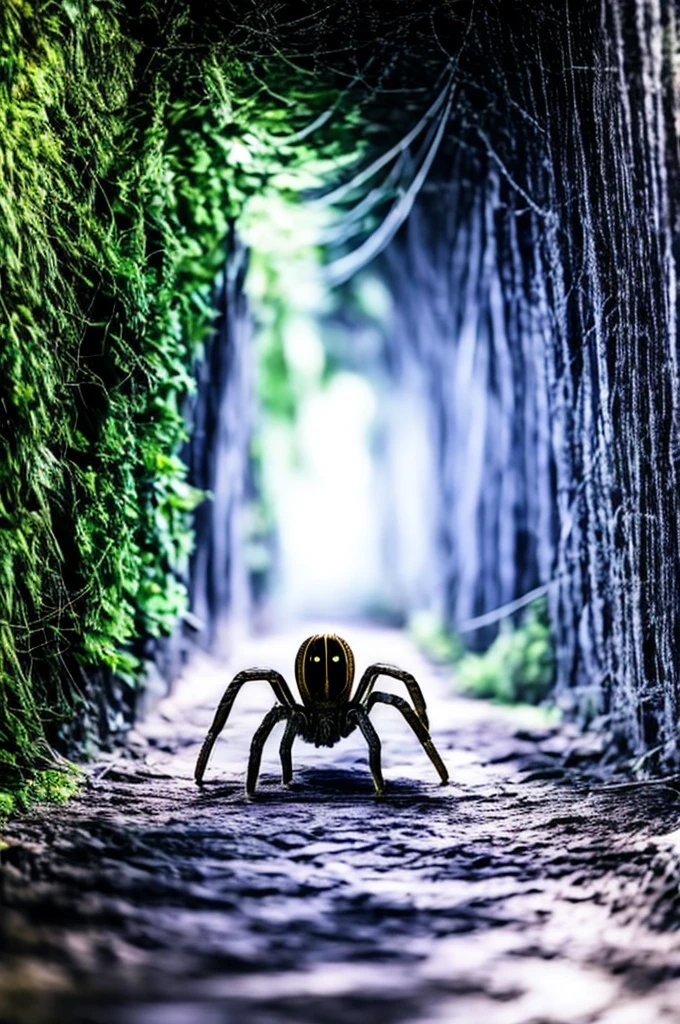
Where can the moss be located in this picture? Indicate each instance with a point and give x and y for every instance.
(518, 667)
(432, 636)
(51, 785)
(128, 150)
(96, 338)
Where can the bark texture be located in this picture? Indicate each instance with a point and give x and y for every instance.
(218, 455)
(537, 285)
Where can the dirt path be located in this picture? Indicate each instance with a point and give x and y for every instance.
(525, 892)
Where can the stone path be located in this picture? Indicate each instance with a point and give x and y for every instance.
(526, 892)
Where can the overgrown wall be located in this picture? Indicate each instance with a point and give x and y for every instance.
(114, 217)
(130, 138)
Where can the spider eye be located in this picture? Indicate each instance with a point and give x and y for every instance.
(336, 657)
(317, 658)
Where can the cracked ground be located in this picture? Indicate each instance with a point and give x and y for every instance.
(536, 888)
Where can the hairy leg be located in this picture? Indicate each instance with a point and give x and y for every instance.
(249, 675)
(286, 749)
(259, 740)
(370, 676)
(373, 741)
(416, 724)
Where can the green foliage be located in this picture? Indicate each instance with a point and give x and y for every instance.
(432, 636)
(67, 498)
(287, 295)
(519, 667)
(56, 785)
(127, 152)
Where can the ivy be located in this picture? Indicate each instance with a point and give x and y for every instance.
(127, 153)
(519, 666)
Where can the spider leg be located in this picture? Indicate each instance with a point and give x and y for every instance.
(249, 675)
(370, 676)
(286, 749)
(373, 741)
(257, 746)
(415, 723)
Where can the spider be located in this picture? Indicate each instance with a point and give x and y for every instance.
(324, 671)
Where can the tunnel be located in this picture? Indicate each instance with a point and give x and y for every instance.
(339, 318)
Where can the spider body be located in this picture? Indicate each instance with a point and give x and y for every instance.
(324, 672)
(325, 727)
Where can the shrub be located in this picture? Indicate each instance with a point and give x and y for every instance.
(519, 667)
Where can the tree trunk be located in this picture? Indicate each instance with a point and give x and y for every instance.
(537, 283)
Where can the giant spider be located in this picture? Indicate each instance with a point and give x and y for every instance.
(324, 671)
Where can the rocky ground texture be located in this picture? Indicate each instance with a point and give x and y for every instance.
(531, 890)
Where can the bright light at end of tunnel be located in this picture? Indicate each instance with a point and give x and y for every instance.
(303, 348)
(328, 520)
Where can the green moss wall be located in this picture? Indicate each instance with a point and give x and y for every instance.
(115, 202)
(131, 134)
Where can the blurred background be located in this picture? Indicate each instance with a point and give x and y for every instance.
(344, 526)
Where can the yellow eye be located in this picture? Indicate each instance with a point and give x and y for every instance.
(317, 658)
(336, 657)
